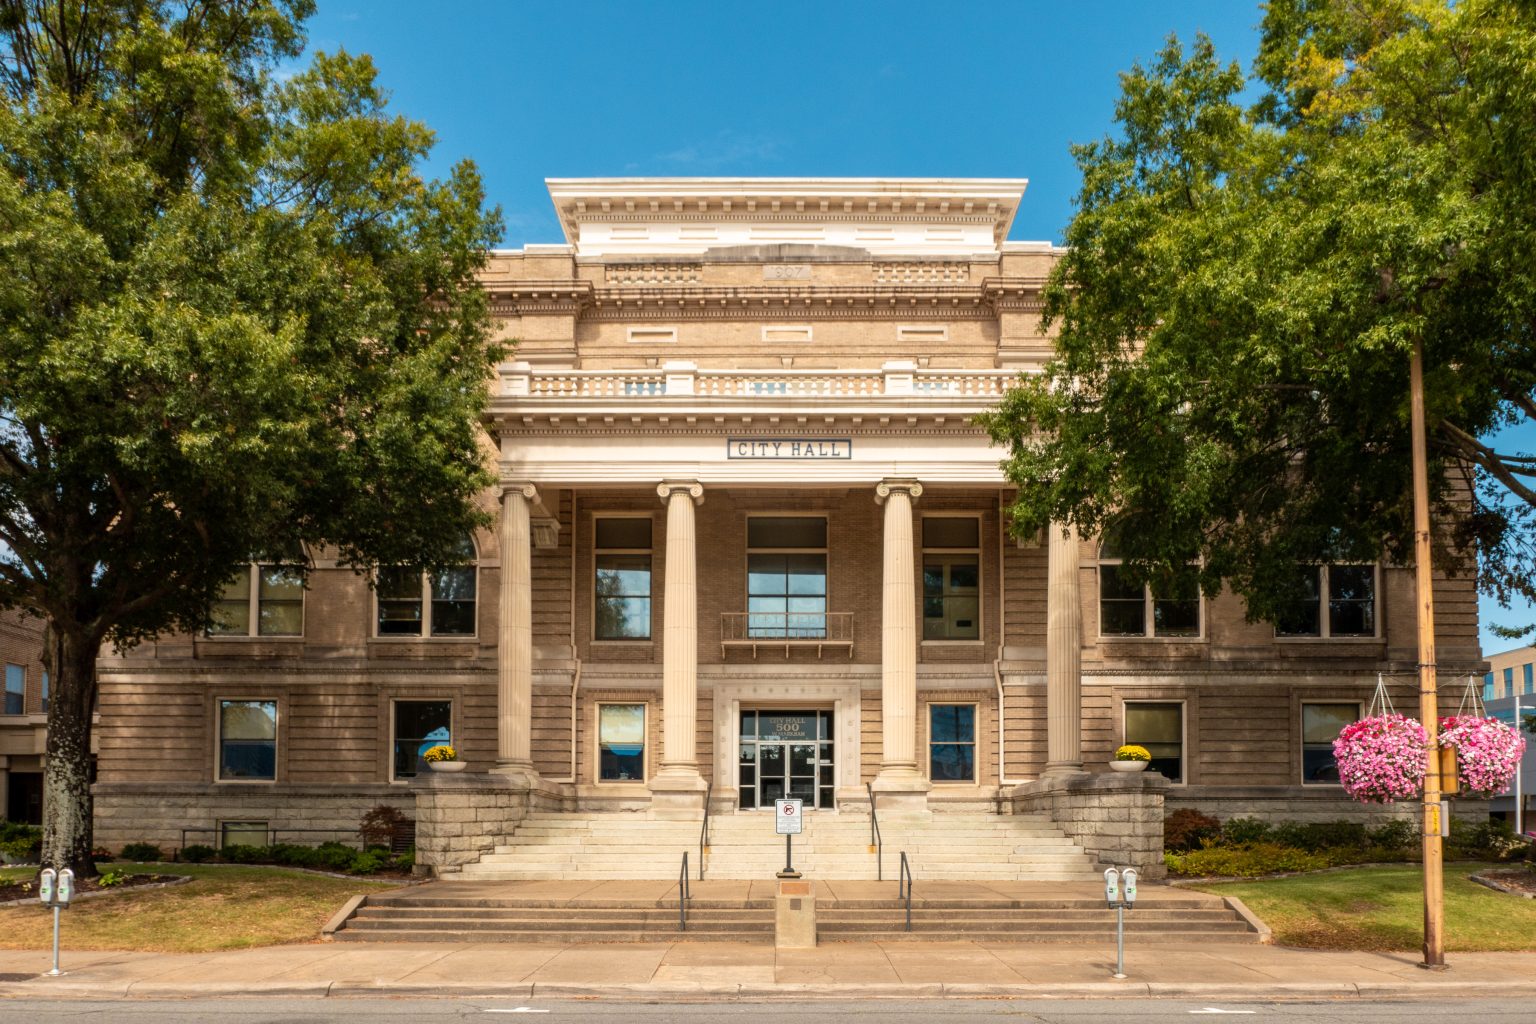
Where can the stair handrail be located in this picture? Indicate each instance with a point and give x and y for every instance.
(704, 828)
(683, 895)
(874, 836)
(906, 875)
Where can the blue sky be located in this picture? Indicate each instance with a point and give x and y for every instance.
(830, 88)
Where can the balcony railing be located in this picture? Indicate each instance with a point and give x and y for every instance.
(786, 630)
(678, 379)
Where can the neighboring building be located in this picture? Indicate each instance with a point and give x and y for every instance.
(23, 718)
(751, 539)
(1510, 695)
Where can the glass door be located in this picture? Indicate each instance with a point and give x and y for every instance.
(786, 753)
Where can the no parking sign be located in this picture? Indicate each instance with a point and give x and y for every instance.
(787, 818)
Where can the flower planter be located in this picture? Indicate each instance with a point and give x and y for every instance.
(447, 766)
(1129, 766)
(1382, 758)
(1488, 753)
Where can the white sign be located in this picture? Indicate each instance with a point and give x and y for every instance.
(787, 818)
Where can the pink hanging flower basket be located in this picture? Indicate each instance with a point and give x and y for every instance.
(1382, 758)
(1488, 752)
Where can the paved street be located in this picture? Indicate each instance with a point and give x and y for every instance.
(1168, 1011)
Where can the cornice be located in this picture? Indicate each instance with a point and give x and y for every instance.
(653, 423)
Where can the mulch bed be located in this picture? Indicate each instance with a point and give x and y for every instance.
(27, 890)
(1519, 880)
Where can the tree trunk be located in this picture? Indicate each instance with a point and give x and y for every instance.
(68, 812)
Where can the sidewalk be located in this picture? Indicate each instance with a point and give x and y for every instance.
(728, 971)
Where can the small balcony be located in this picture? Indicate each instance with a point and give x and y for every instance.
(786, 631)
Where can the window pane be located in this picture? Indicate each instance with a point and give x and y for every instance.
(399, 596)
(248, 739)
(453, 602)
(951, 762)
(1159, 728)
(1122, 604)
(767, 574)
(621, 742)
(420, 725)
(951, 532)
(786, 532)
(1303, 618)
(1320, 726)
(232, 611)
(964, 575)
(807, 574)
(1176, 618)
(1351, 600)
(243, 833)
(15, 690)
(950, 723)
(281, 594)
(624, 533)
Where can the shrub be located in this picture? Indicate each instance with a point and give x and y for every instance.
(1313, 836)
(1494, 840)
(1243, 831)
(405, 861)
(102, 855)
(1188, 829)
(242, 853)
(335, 857)
(109, 879)
(197, 853)
(1398, 834)
(379, 825)
(20, 841)
(1248, 862)
(142, 852)
(369, 861)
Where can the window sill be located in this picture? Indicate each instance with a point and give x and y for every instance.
(621, 783)
(1117, 639)
(952, 643)
(245, 782)
(246, 638)
(635, 642)
(1329, 639)
(422, 639)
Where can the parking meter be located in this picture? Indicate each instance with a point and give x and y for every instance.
(45, 885)
(66, 890)
(1111, 887)
(1130, 888)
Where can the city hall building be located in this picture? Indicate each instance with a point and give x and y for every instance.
(751, 544)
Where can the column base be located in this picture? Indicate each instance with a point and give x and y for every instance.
(901, 791)
(1062, 769)
(678, 794)
(521, 774)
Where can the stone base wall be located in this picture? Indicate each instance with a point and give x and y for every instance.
(158, 813)
(461, 817)
(1117, 819)
(1275, 804)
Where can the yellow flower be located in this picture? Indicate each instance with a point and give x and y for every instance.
(441, 752)
(1132, 752)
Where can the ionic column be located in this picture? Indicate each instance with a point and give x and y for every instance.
(514, 647)
(898, 644)
(678, 785)
(1063, 655)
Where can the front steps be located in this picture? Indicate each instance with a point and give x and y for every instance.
(946, 846)
(566, 913)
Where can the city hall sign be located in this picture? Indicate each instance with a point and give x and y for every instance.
(813, 448)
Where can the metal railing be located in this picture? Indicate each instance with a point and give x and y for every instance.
(704, 828)
(683, 895)
(906, 875)
(786, 629)
(874, 836)
(338, 835)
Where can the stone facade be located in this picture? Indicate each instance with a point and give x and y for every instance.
(1116, 818)
(700, 356)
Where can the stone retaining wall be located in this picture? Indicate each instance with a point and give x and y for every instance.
(461, 817)
(157, 813)
(1275, 804)
(1116, 818)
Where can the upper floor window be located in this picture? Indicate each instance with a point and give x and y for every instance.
(15, 690)
(248, 740)
(1509, 682)
(266, 598)
(45, 691)
(951, 578)
(1530, 682)
(622, 586)
(1348, 611)
(413, 603)
(1127, 608)
(787, 577)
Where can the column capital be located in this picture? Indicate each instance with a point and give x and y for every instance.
(692, 488)
(885, 488)
(523, 487)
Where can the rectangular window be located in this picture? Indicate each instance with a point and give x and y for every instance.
(45, 692)
(1488, 687)
(952, 742)
(1351, 605)
(248, 740)
(399, 597)
(1530, 684)
(1320, 726)
(621, 742)
(453, 601)
(275, 591)
(951, 578)
(15, 690)
(787, 577)
(232, 611)
(1126, 608)
(243, 833)
(622, 586)
(1159, 728)
(419, 726)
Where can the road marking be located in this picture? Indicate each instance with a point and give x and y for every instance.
(520, 1009)
(1212, 1009)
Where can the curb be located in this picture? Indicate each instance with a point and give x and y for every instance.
(47, 988)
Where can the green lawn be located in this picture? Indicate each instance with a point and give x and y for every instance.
(1382, 908)
(223, 907)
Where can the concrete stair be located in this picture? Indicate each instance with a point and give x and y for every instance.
(1029, 920)
(945, 846)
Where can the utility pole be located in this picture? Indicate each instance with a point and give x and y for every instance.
(1429, 704)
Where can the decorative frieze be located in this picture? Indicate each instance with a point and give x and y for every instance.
(922, 272)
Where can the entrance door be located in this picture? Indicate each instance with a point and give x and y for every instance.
(786, 754)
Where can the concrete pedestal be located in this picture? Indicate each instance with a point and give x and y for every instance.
(794, 920)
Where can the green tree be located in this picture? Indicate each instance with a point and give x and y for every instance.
(1244, 284)
(233, 317)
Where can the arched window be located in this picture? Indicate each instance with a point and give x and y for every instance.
(265, 598)
(1134, 609)
(412, 603)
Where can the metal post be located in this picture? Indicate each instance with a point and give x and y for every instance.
(1120, 941)
(789, 860)
(1519, 771)
(55, 972)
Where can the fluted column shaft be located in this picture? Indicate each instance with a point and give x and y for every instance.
(1063, 655)
(514, 648)
(898, 635)
(680, 633)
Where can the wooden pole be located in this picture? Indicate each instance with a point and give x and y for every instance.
(1429, 704)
